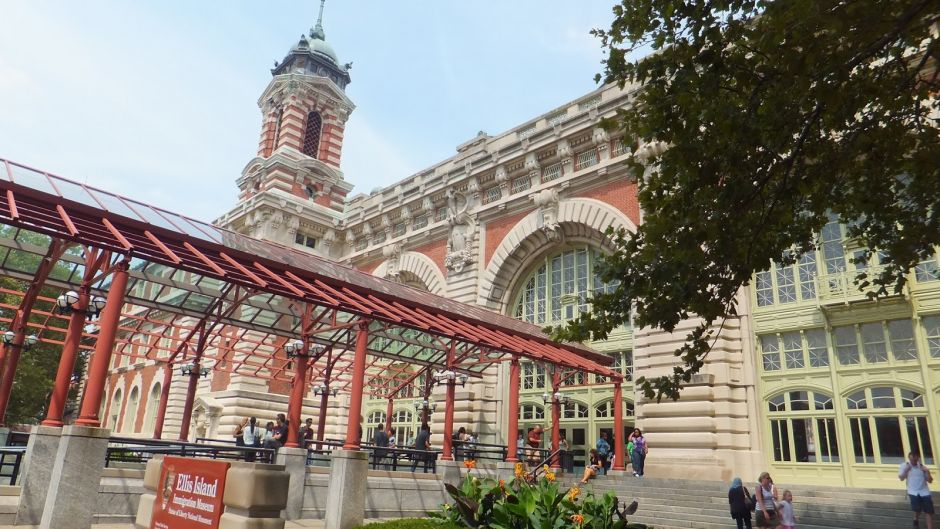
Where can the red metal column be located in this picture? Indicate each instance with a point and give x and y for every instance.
(101, 360)
(513, 430)
(388, 415)
(63, 377)
(164, 400)
(10, 354)
(449, 411)
(556, 416)
(358, 381)
(296, 402)
(618, 428)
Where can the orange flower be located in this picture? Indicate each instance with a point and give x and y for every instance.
(545, 469)
(577, 518)
(573, 493)
(550, 476)
(470, 464)
(502, 485)
(519, 470)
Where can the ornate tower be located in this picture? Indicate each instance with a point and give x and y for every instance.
(293, 191)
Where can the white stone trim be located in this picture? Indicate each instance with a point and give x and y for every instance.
(578, 218)
(421, 266)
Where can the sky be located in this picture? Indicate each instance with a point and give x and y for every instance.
(158, 100)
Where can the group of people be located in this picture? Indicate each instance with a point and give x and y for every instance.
(249, 433)
(600, 457)
(770, 511)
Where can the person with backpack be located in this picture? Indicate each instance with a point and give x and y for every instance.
(741, 504)
(603, 452)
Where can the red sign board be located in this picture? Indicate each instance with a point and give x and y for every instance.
(189, 494)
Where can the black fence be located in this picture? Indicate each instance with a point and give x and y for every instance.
(129, 450)
(464, 450)
(11, 459)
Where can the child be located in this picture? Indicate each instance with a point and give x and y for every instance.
(785, 508)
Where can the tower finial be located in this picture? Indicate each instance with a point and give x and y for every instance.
(317, 31)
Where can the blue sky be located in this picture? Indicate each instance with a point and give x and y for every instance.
(158, 100)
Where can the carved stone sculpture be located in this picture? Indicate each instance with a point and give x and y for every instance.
(462, 227)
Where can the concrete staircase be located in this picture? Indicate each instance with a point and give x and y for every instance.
(674, 504)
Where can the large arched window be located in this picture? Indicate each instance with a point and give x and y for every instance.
(605, 410)
(803, 427)
(886, 423)
(153, 401)
(558, 289)
(403, 427)
(311, 146)
(531, 412)
(574, 410)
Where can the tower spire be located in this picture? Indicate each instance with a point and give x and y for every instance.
(317, 31)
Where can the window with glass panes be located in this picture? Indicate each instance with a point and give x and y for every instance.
(373, 421)
(794, 350)
(623, 363)
(886, 423)
(932, 330)
(403, 427)
(574, 410)
(803, 427)
(781, 284)
(532, 376)
(559, 288)
(927, 270)
(875, 342)
(531, 412)
(605, 410)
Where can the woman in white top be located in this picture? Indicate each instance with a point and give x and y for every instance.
(765, 502)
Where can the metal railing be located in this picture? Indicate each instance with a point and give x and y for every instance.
(464, 450)
(840, 287)
(11, 458)
(129, 450)
(534, 473)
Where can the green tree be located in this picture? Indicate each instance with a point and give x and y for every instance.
(753, 122)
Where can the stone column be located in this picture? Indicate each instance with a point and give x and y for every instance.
(449, 471)
(295, 462)
(346, 501)
(75, 478)
(37, 473)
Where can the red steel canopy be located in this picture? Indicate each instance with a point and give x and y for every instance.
(245, 298)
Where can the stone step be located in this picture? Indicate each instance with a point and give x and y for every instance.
(674, 504)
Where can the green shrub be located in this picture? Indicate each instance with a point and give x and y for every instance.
(413, 523)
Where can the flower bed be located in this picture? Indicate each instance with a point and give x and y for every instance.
(531, 504)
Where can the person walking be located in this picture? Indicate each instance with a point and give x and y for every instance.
(765, 502)
(422, 442)
(787, 518)
(740, 501)
(918, 478)
(603, 451)
(534, 441)
(640, 449)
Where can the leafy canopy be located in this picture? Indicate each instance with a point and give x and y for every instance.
(752, 123)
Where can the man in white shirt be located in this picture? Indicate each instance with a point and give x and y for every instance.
(918, 476)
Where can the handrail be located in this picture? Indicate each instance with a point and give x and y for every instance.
(16, 453)
(131, 450)
(535, 472)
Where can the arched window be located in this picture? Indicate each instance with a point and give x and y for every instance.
(559, 288)
(403, 426)
(803, 427)
(375, 418)
(311, 144)
(605, 410)
(886, 423)
(574, 410)
(130, 414)
(114, 411)
(153, 402)
(531, 412)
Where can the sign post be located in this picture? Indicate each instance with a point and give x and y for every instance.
(189, 494)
